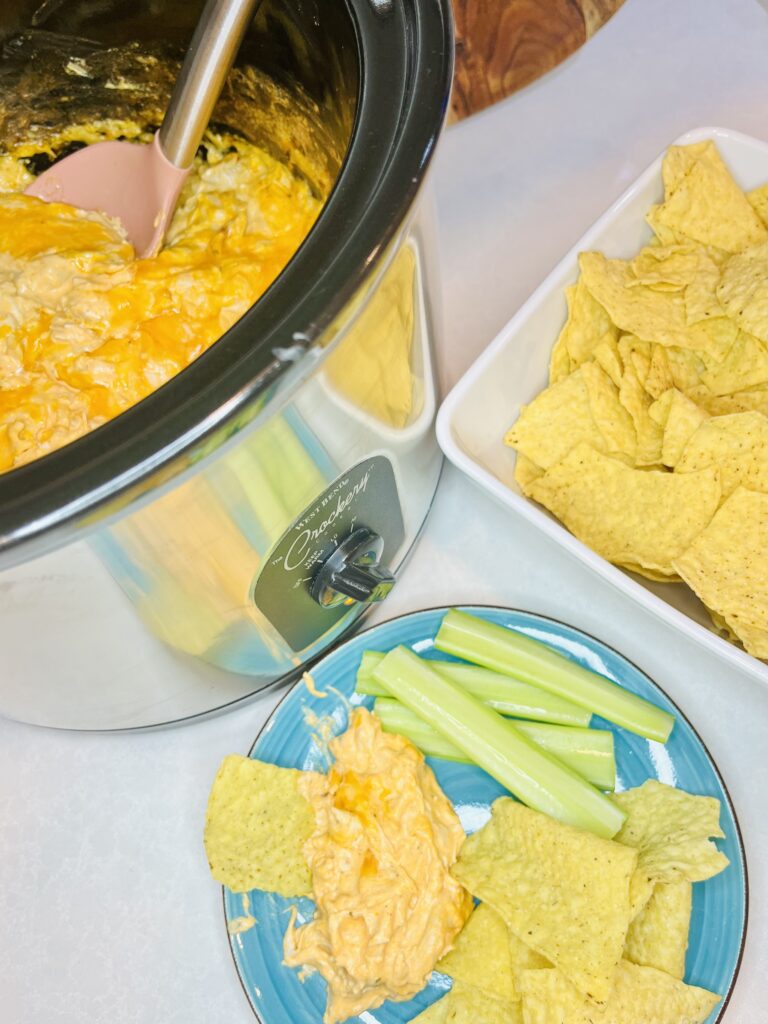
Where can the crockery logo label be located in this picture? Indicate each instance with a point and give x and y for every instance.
(301, 551)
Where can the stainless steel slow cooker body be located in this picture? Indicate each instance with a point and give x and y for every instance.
(250, 507)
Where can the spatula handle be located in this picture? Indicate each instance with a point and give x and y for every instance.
(211, 54)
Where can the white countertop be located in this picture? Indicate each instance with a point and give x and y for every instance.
(107, 913)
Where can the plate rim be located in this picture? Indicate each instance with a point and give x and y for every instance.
(726, 998)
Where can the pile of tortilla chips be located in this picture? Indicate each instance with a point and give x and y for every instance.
(651, 442)
(574, 929)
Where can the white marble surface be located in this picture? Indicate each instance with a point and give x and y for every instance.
(106, 910)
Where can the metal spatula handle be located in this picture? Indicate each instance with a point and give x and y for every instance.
(211, 54)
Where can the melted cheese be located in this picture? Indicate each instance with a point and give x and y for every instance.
(384, 840)
(87, 330)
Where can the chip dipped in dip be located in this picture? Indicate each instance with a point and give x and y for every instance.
(385, 836)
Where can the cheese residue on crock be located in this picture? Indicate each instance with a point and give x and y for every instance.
(385, 837)
(87, 330)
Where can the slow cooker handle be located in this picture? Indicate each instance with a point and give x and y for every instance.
(211, 54)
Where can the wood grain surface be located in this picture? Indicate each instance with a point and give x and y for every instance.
(502, 45)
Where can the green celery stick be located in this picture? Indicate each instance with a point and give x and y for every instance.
(587, 751)
(508, 696)
(495, 744)
(505, 650)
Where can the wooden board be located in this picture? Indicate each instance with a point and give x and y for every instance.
(502, 45)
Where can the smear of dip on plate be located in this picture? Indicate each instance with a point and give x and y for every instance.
(387, 907)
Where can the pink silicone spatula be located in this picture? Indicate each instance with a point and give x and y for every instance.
(140, 184)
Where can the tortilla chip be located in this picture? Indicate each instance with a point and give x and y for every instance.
(650, 574)
(675, 267)
(670, 830)
(635, 309)
(581, 407)
(562, 891)
(743, 290)
(611, 418)
(481, 955)
(641, 995)
(256, 825)
(680, 418)
(588, 323)
(664, 235)
(737, 444)
(713, 339)
(607, 357)
(727, 566)
(642, 517)
(560, 361)
(744, 366)
(637, 402)
(685, 367)
(678, 160)
(467, 1005)
(554, 421)
(526, 472)
(659, 377)
(758, 200)
(751, 400)
(658, 937)
(707, 205)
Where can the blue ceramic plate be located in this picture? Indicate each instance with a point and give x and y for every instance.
(289, 739)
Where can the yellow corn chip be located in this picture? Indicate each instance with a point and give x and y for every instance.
(587, 325)
(658, 936)
(680, 418)
(554, 421)
(659, 377)
(751, 400)
(562, 415)
(678, 160)
(743, 290)
(560, 361)
(608, 358)
(637, 402)
(650, 574)
(670, 830)
(738, 444)
(727, 566)
(635, 309)
(675, 267)
(641, 995)
(708, 206)
(481, 956)
(526, 472)
(685, 367)
(467, 1005)
(611, 418)
(744, 366)
(758, 200)
(664, 235)
(642, 517)
(713, 338)
(255, 827)
(523, 958)
(562, 891)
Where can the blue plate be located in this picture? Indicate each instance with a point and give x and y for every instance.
(290, 739)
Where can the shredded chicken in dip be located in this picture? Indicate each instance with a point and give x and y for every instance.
(87, 330)
(385, 837)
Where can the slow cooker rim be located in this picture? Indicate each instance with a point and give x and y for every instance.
(94, 477)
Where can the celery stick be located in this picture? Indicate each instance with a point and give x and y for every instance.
(495, 744)
(508, 696)
(506, 650)
(587, 751)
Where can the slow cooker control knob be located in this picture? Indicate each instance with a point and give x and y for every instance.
(352, 572)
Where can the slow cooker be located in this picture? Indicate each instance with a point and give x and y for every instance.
(218, 536)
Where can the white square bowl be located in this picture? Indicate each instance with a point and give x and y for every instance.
(514, 369)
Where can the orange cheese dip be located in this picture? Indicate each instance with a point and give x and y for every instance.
(387, 907)
(87, 330)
